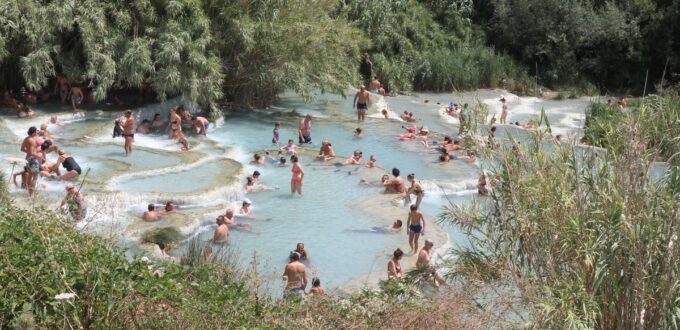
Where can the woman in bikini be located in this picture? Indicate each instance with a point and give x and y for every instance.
(298, 175)
(416, 189)
(393, 266)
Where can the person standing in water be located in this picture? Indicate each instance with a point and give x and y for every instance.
(295, 275)
(305, 130)
(221, 232)
(199, 124)
(128, 132)
(30, 147)
(415, 227)
(77, 97)
(61, 87)
(375, 85)
(298, 175)
(416, 189)
(361, 102)
(394, 265)
(504, 113)
(275, 139)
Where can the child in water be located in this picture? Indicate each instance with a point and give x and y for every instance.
(275, 139)
(290, 147)
(117, 129)
(358, 132)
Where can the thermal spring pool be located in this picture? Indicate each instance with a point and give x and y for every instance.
(335, 213)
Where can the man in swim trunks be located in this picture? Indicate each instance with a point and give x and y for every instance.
(305, 130)
(30, 147)
(128, 131)
(151, 214)
(221, 232)
(77, 97)
(425, 262)
(200, 123)
(395, 185)
(295, 275)
(415, 226)
(361, 102)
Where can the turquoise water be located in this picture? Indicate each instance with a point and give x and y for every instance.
(334, 204)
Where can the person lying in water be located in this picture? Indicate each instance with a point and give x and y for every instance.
(251, 186)
(392, 229)
(355, 159)
(380, 183)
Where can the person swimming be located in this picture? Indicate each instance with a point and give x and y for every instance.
(394, 228)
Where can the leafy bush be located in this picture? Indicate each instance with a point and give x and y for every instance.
(585, 237)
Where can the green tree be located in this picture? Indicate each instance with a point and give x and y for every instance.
(114, 44)
(268, 46)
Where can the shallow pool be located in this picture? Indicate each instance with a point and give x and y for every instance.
(335, 210)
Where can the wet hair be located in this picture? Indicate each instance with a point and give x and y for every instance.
(146, 121)
(414, 207)
(443, 157)
(316, 282)
(294, 158)
(294, 256)
(447, 138)
(493, 128)
(358, 130)
(32, 130)
(398, 253)
(290, 140)
(256, 173)
(399, 223)
(156, 115)
(257, 156)
(411, 176)
(151, 207)
(276, 123)
(384, 111)
(395, 171)
(282, 160)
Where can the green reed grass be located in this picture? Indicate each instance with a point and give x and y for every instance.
(584, 237)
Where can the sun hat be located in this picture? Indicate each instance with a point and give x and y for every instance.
(425, 129)
(247, 201)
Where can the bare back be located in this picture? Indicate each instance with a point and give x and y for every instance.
(296, 274)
